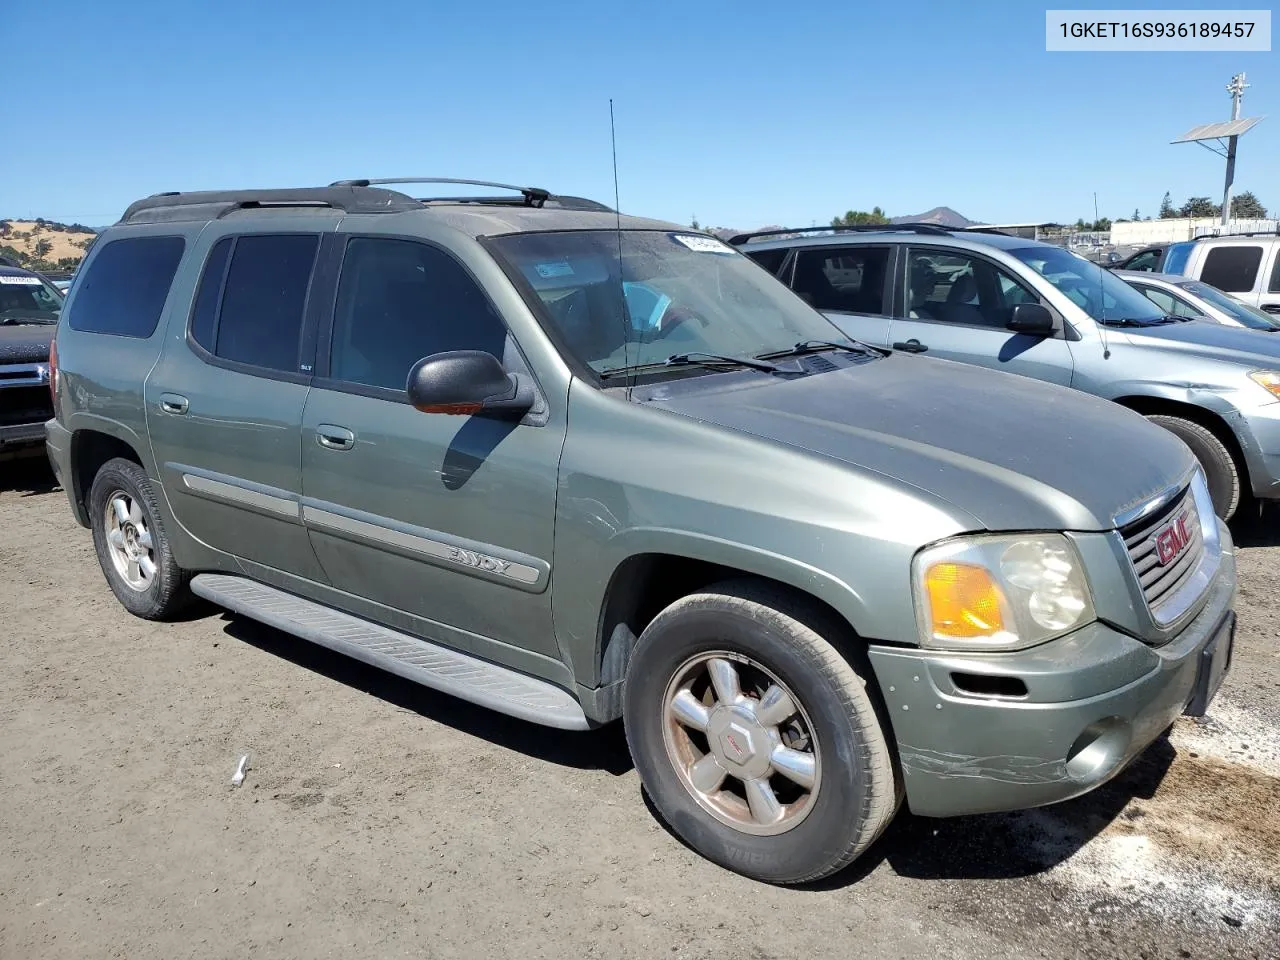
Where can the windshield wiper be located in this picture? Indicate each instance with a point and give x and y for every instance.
(691, 359)
(1131, 322)
(814, 346)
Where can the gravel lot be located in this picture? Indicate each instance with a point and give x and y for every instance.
(380, 820)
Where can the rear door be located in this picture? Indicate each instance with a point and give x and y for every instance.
(850, 284)
(224, 402)
(1269, 300)
(955, 305)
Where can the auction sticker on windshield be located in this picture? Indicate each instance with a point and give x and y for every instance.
(10, 281)
(702, 244)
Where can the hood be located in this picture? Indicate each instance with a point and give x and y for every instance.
(1013, 453)
(1239, 344)
(25, 342)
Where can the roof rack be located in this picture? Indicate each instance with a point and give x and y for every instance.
(1243, 233)
(212, 204)
(533, 196)
(925, 228)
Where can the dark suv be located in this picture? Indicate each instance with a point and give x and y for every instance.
(29, 310)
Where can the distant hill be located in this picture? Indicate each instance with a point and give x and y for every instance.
(942, 216)
(45, 245)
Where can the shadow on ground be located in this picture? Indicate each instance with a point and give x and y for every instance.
(28, 475)
(1260, 530)
(604, 749)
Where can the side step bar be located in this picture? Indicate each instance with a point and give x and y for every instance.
(440, 668)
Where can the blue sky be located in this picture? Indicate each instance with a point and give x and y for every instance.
(740, 113)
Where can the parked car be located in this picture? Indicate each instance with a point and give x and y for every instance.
(1246, 265)
(1182, 297)
(1039, 310)
(29, 310)
(1148, 259)
(580, 467)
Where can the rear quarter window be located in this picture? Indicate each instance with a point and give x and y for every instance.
(1233, 269)
(124, 289)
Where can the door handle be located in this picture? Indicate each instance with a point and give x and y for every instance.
(335, 438)
(910, 346)
(173, 403)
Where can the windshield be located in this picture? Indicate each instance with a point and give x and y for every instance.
(1097, 291)
(1240, 312)
(669, 293)
(25, 297)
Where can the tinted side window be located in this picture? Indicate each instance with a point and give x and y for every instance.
(771, 260)
(1274, 285)
(1233, 268)
(958, 288)
(124, 290)
(205, 313)
(1170, 304)
(1144, 261)
(260, 322)
(848, 279)
(400, 301)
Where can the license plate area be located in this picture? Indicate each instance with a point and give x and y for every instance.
(1215, 660)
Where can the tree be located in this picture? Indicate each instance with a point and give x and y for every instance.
(1137, 215)
(1101, 225)
(1199, 207)
(693, 224)
(1167, 211)
(1247, 207)
(858, 218)
(43, 247)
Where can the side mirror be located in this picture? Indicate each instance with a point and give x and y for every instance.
(464, 382)
(1031, 318)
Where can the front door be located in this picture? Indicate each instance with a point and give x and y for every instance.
(956, 307)
(224, 402)
(447, 519)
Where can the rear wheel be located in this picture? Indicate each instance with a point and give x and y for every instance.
(132, 549)
(1220, 469)
(756, 740)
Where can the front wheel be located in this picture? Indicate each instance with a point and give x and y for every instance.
(1220, 469)
(756, 740)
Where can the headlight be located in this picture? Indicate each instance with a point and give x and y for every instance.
(999, 592)
(1268, 380)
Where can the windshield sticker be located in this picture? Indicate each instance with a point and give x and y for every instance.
(549, 270)
(702, 244)
(21, 281)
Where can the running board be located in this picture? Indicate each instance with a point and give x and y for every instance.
(440, 668)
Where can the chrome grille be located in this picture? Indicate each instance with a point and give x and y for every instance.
(1166, 549)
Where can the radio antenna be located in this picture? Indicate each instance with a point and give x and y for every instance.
(622, 290)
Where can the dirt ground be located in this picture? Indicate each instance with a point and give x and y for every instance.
(381, 820)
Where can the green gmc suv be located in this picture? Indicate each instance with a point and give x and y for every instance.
(580, 467)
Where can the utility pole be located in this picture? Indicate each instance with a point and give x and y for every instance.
(1236, 88)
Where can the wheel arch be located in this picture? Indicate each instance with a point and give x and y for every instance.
(644, 583)
(1209, 419)
(91, 447)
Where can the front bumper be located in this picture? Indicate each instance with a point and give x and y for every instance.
(1094, 700)
(1259, 434)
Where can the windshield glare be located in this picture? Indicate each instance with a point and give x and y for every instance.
(1096, 290)
(1240, 312)
(668, 293)
(27, 297)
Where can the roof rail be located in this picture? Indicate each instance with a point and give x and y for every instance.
(533, 196)
(925, 228)
(212, 204)
(1244, 233)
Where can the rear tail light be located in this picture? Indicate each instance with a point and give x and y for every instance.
(53, 374)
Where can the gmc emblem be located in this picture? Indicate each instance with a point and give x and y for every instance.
(1173, 539)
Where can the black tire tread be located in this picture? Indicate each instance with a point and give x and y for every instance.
(1202, 434)
(806, 625)
(173, 596)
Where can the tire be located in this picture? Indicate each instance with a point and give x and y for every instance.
(160, 594)
(1225, 488)
(769, 640)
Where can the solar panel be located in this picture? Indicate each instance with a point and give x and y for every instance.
(1213, 131)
